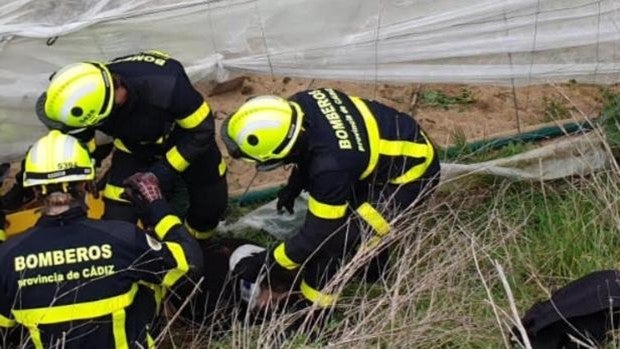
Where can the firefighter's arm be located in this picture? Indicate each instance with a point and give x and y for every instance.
(287, 195)
(327, 212)
(181, 254)
(6, 319)
(194, 121)
(177, 252)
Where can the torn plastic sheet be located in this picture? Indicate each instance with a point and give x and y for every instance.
(570, 156)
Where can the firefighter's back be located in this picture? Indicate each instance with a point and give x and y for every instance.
(72, 283)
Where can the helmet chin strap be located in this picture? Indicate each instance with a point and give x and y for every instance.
(268, 165)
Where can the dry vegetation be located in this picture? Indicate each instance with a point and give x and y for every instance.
(444, 289)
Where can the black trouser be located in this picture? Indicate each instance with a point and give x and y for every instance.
(389, 200)
(206, 183)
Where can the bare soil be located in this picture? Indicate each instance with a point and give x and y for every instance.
(488, 111)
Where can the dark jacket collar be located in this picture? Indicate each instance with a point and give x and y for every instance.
(72, 215)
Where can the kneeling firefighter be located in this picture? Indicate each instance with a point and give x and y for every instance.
(73, 282)
(160, 123)
(356, 158)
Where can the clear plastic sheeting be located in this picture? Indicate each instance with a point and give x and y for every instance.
(577, 155)
(570, 156)
(267, 218)
(477, 41)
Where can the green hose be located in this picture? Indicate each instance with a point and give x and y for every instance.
(255, 197)
(540, 134)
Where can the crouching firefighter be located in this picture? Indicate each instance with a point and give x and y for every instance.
(160, 123)
(357, 159)
(73, 282)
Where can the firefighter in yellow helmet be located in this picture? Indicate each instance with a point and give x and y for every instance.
(160, 123)
(356, 158)
(73, 282)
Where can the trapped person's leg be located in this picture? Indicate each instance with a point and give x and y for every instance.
(208, 194)
(123, 165)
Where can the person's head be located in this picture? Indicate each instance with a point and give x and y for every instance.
(59, 168)
(79, 95)
(263, 130)
(257, 294)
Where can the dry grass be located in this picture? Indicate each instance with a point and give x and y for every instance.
(463, 269)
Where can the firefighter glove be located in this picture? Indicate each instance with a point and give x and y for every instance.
(286, 199)
(142, 190)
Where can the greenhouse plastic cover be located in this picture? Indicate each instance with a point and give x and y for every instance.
(475, 41)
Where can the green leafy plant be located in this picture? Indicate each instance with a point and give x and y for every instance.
(433, 98)
(555, 109)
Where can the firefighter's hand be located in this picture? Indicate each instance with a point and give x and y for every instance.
(142, 189)
(286, 199)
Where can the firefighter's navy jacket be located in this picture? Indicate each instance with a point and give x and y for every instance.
(349, 141)
(80, 283)
(164, 115)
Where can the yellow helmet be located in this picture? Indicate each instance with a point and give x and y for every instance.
(264, 128)
(79, 95)
(57, 158)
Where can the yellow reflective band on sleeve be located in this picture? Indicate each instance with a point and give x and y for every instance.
(77, 311)
(2, 237)
(173, 275)
(373, 218)
(404, 148)
(176, 160)
(194, 119)
(279, 254)
(326, 211)
(118, 144)
(6, 322)
(91, 145)
(165, 224)
(373, 135)
(419, 170)
(222, 167)
(118, 329)
(113, 192)
(199, 235)
(317, 297)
